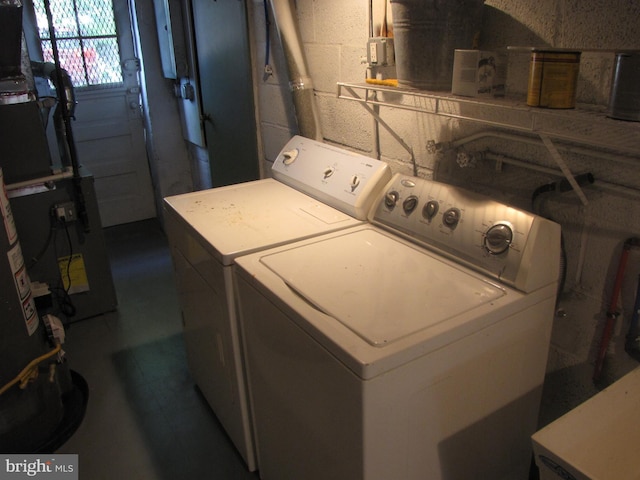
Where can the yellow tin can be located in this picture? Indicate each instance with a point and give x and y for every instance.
(553, 78)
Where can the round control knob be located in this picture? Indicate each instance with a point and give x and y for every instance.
(410, 204)
(451, 218)
(430, 209)
(328, 172)
(498, 238)
(355, 181)
(290, 156)
(391, 198)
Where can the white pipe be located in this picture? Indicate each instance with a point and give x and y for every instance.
(68, 173)
(299, 79)
(374, 95)
(611, 188)
(520, 163)
(536, 141)
(376, 131)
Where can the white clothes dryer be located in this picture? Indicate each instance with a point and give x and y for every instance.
(413, 347)
(317, 188)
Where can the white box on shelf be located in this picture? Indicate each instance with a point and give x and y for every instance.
(478, 72)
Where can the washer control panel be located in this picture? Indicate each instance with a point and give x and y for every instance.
(468, 227)
(342, 179)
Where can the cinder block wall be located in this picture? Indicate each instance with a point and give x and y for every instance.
(335, 33)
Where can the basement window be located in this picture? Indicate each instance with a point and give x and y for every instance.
(86, 37)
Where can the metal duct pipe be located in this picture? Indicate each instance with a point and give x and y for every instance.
(299, 80)
(48, 70)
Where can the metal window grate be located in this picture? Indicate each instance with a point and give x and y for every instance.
(86, 39)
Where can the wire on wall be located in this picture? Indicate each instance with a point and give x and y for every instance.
(64, 302)
(268, 70)
(60, 292)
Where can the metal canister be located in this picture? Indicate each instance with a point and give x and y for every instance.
(553, 78)
(624, 101)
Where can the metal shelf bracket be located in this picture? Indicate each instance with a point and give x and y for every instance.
(555, 154)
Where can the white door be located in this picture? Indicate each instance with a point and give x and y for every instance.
(108, 128)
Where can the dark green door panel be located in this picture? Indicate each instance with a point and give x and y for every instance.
(224, 62)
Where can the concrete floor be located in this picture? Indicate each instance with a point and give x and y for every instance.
(145, 419)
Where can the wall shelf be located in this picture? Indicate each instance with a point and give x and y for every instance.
(587, 126)
(584, 125)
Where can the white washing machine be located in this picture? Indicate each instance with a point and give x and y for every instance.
(317, 188)
(413, 347)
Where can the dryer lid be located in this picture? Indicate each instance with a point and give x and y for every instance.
(380, 288)
(246, 217)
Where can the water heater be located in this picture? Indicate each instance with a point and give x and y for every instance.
(30, 405)
(37, 389)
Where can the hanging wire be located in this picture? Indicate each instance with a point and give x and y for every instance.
(267, 23)
(385, 26)
(66, 116)
(370, 18)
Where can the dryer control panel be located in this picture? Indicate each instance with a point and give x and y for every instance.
(339, 178)
(514, 246)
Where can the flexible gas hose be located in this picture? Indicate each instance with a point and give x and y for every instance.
(30, 371)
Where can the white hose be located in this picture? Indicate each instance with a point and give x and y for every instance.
(299, 79)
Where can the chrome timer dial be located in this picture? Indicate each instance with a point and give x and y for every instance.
(498, 238)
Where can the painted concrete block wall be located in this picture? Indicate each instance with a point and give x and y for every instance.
(335, 33)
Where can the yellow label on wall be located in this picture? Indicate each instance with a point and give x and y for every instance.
(73, 273)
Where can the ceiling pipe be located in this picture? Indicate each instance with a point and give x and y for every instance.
(300, 82)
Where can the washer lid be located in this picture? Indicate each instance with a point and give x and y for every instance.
(378, 287)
